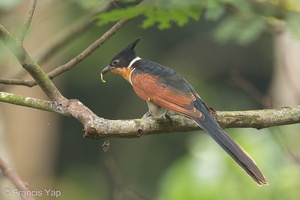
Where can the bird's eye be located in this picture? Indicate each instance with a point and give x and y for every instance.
(115, 62)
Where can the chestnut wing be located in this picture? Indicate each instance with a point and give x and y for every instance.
(170, 92)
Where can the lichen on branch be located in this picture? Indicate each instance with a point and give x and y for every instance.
(97, 127)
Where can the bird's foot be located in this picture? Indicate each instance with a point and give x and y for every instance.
(165, 116)
(147, 115)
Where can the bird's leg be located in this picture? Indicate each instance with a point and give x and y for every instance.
(164, 115)
(156, 112)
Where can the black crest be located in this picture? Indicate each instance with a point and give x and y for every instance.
(123, 58)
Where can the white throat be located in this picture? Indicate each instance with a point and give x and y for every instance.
(133, 61)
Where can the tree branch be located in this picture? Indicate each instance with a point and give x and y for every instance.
(30, 65)
(97, 127)
(16, 180)
(27, 21)
(30, 102)
(102, 128)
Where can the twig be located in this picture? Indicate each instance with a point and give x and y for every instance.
(290, 80)
(88, 51)
(121, 185)
(248, 87)
(9, 81)
(283, 144)
(27, 21)
(97, 127)
(16, 180)
(67, 35)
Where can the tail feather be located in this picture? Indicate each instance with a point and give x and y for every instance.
(241, 157)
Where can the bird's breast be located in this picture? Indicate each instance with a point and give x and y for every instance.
(124, 72)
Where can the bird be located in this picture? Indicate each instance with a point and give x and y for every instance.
(165, 90)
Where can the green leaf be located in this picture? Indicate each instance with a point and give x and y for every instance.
(164, 18)
(118, 14)
(153, 14)
(150, 19)
(179, 16)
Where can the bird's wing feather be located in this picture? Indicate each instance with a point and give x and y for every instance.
(162, 92)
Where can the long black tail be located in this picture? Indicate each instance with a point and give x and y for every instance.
(241, 157)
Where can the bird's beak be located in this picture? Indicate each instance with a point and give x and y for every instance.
(106, 69)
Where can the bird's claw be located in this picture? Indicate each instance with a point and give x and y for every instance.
(147, 115)
(165, 116)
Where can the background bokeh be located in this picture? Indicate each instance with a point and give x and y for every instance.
(49, 151)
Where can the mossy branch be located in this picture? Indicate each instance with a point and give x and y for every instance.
(97, 127)
(30, 65)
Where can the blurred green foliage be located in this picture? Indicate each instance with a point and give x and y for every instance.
(154, 14)
(205, 173)
(8, 4)
(241, 20)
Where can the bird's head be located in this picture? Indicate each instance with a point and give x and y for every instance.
(120, 64)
